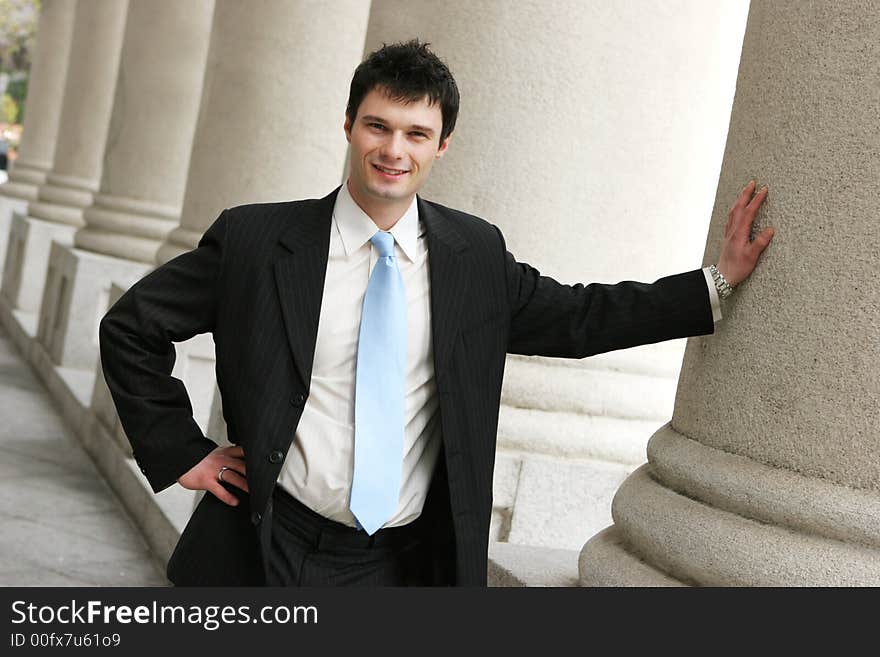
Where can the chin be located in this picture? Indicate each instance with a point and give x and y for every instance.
(385, 192)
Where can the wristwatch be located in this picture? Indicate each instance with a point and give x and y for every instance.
(724, 288)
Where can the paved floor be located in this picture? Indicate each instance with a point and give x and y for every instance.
(61, 523)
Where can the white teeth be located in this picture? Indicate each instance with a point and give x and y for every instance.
(391, 171)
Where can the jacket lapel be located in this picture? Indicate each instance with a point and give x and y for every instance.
(299, 276)
(448, 281)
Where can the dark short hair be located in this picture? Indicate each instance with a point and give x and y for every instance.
(406, 72)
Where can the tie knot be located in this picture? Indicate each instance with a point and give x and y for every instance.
(384, 242)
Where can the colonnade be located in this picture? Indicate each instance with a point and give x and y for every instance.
(593, 135)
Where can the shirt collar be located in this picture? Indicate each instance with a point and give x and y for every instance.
(356, 228)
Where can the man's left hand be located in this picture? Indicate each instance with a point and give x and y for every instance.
(739, 253)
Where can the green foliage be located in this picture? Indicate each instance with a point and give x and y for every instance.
(17, 92)
(18, 89)
(8, 109)
(18, 27)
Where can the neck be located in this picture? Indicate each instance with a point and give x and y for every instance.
(385, 213)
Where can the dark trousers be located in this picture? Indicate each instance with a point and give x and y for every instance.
(308, 549)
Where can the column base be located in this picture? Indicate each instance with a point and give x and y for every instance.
(30, 172)
(558, 503)
(179, 241)
(569, 433)
(712, 518)
(63, 199)
(27, 261)
(21, 327)
(76, 294)
(605, 561)
(8, 207)
(69, 190)
(60, 214)
(19, 189)
(126, 228)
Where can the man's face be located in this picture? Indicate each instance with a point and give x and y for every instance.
(393, 146)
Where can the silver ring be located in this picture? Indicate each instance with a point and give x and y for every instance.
(220, 474)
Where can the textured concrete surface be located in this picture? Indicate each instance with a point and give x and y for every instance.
(699, 544)
(797, 360)
(562, 504)
(524, 565)
(769, 473)
(771, 495)
(606, 561)
(62, 524)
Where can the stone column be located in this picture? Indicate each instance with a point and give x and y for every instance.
(73, 180)
(595, 147)
(269, 129)
(143, 177)
(270, 124)
(45, 90)
(769, 473)
(88, 100)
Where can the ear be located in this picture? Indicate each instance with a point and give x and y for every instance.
(347, 127)
(443, 146)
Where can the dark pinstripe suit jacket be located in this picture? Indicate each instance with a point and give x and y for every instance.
(256, 281)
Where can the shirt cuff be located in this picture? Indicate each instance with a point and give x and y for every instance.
(713, 296)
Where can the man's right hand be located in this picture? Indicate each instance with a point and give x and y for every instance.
(203, 475)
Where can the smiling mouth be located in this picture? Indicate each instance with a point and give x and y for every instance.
(392, 173)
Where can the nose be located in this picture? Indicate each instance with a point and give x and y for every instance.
(392, 148)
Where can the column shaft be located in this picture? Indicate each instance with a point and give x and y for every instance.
(769, 473)
(592, 135)
(73, 179)
(157, 92)
(151, 129)
(45, 90)
(270, 124)
(85, 114)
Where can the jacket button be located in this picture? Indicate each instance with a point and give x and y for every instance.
(276, 457)
(256, 517)
(298, 399)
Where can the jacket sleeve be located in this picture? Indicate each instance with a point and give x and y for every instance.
(548, 318)
(172, 303)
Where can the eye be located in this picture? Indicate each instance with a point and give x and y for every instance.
(419, 134)
(377, 126)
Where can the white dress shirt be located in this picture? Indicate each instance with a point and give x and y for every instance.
(319, 467)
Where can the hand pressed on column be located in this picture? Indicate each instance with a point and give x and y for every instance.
(739, 253)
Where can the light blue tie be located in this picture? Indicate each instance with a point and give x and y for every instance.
(379, 392)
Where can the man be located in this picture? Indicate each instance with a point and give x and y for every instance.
(360, 342)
